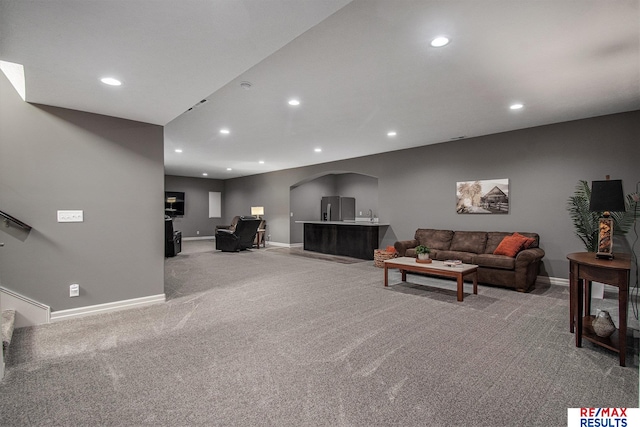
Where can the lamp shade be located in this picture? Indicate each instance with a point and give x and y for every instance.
(607, 196)
(257, 210)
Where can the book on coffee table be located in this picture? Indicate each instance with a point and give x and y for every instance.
(452, 262)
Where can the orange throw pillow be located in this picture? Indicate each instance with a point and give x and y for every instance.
(511, 245)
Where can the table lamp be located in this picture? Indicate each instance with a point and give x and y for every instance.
(606, 197)
(257, 211)
(171, 201)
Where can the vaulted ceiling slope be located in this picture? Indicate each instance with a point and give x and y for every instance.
(360, 69)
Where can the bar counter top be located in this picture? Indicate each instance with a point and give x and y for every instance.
(362, 223)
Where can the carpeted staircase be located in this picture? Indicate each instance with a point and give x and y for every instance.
(8, 320)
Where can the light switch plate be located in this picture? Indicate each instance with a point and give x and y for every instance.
(74, 290)
(70, 216)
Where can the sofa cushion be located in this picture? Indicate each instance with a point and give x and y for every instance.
(434, 239)
(511, 245)
(469, 241)
(493, 240)
(466, 257)
(502, 262)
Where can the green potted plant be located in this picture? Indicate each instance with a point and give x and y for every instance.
(422, 252)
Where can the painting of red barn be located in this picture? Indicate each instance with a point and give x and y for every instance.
(483, 197)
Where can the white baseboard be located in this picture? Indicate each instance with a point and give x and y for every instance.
(544, 280)
(107, 307)
(269, 243)
(28, 311)
(597, 288)
(283, 245)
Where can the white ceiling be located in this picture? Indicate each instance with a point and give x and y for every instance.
(359, 68)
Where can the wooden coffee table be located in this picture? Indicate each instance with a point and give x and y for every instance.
(436, 268)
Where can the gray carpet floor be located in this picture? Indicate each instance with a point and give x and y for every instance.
(268, 338)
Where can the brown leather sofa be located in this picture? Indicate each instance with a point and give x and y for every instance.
(478, 247)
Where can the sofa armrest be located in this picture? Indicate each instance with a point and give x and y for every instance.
(402, 246)
(527, 256)
(527, 268)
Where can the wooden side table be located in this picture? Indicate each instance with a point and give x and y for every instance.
(260, 238)
(584, 268)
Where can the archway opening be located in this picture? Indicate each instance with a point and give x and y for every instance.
(305, 197)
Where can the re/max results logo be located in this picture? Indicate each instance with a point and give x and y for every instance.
(603, 417)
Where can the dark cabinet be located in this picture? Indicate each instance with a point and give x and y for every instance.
(172, 239)
(356, 241)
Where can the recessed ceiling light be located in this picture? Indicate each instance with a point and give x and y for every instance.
(317, 150)
(392, 133)
(229, 169)
(440, 41)
(294, 102)
(178, 150)
(261, 162)
(111, 81)
(225, 131)
(517, 106)
(204, 174)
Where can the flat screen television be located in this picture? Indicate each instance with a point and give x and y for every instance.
(174, 203)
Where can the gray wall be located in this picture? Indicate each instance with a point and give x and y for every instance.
(364, 188)
(305, 203)
(305, 197)
(417, 186)
(196, 209)
(55, 159)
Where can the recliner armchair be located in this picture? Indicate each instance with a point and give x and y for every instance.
(230, 227)
(241, 238)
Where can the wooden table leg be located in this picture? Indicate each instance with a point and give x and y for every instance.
(386, 275)
(460, 288)
(475, 282)
(622, 330)
(572, 296)
(587, 298)
(577, 309)
(404, 275)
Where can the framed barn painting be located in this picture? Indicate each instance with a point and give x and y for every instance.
(483, 197)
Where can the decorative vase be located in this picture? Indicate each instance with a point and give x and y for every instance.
(602, 324)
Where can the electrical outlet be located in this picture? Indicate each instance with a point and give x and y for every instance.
(197, 232)
(74, 290)
(70, 216)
